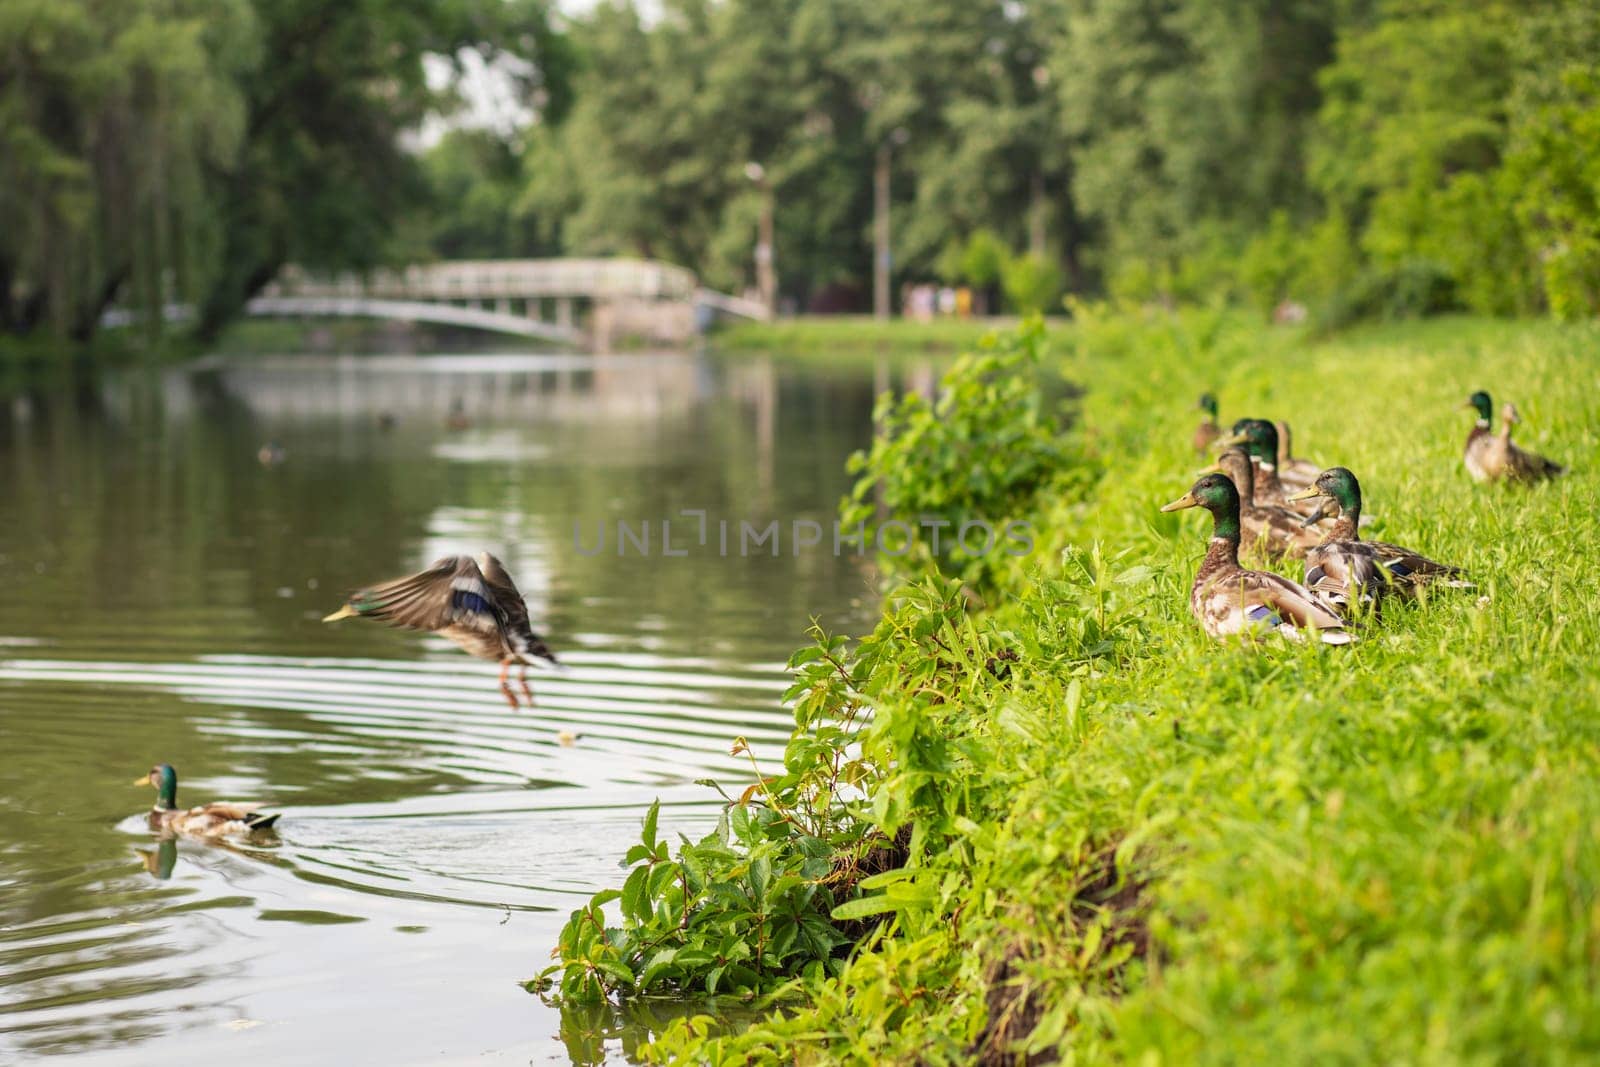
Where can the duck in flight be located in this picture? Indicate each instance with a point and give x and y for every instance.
(472, 601)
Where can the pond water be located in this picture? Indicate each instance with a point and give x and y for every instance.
(161, 590)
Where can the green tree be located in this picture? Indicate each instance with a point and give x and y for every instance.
(111, 118)
(323, 176)
(1189, 117)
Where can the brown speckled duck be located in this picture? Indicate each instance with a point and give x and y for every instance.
(1276, 531)
(1230, 601)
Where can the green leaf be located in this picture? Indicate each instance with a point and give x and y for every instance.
(649, 834)
(615, 971)
(633, 894)
(862, 907)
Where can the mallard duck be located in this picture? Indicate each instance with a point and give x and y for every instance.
(208, 820)
(1208, 430)
(1259, 438)
(473, 602)
(1230, 601)
(1479, 437)
(1347, 573)
(1292, 470)
(1491, 457)
(1276, 531)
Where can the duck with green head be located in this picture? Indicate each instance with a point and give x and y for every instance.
(1208, 430)
(1492, 457)
(1478, 437)
(1349, 574)
(1229, 601)
(1259, 438)
(1274, 531)
(208, 820)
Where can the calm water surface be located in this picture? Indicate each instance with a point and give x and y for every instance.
(160, 597)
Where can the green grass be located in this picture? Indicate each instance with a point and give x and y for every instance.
(1389, 852)
(849, 336)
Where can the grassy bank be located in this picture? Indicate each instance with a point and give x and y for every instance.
(1085, 831)
(822, 336)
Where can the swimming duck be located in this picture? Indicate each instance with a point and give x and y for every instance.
(1208, 430)
(208, 820)
(1490, 457)
(1347, 573)
(471, 601)
(1230, 601)
(1259, 438)
(1276, 531)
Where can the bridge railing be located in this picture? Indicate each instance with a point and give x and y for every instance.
(511, 279)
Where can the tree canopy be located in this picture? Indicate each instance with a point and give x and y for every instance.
(1367, 156)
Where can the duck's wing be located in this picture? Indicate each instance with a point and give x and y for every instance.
(1343, 573)
(1530, 466)
(215, 820)
(1261, 602)
(451, 595)
(1413, 568)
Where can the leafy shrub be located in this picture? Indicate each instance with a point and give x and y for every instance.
(747, 906)
(984, 258)
(1032, 284)
(981, 453)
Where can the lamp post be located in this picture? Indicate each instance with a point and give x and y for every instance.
(882, 257)
(766, 269)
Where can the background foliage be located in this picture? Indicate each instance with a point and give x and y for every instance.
(1367, 158)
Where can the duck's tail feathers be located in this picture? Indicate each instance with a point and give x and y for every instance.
(1337, 637)
(261, 822)
(538, 649)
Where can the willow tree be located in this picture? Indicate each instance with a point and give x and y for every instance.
(111, 117)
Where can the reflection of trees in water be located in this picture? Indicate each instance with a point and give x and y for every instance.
(486, 387)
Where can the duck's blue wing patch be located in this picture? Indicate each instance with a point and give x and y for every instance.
(1261, 615)
(468, 601)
